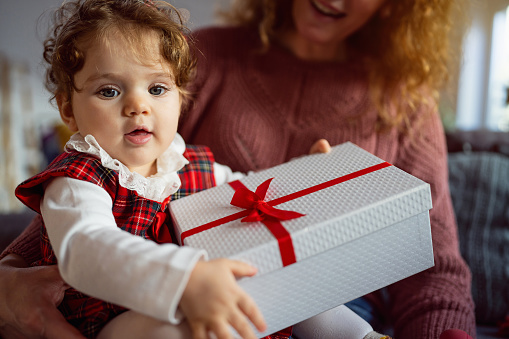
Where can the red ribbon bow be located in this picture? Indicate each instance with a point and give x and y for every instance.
(259, 210)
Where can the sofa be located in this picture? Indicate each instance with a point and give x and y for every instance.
(479, 184)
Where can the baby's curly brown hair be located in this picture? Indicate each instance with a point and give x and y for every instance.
(83, 20)
(406, 44)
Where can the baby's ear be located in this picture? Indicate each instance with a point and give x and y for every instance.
(66, 113)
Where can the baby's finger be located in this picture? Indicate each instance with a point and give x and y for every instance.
(199, 331)
(241, 269)
(221, 330)
(241, 325)
(252, 312)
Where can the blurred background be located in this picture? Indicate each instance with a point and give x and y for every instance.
(477, 100)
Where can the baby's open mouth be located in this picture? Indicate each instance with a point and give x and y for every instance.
(139, 136)
(138, 132)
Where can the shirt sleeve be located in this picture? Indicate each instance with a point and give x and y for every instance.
(103, 261)
(224, 174)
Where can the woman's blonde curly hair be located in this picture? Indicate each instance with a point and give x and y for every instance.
(407, 45)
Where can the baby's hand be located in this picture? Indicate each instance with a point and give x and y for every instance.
(321, 146)
(213, 301)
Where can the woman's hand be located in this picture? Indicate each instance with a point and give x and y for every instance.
(30, 297)
(213, 301)
(321, 146)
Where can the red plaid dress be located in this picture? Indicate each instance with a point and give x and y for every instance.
(132, 213)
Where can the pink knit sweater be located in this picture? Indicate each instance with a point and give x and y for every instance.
(256, 110)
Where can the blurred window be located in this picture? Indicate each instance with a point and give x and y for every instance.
(498, 87)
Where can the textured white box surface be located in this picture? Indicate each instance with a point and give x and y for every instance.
(356, 236)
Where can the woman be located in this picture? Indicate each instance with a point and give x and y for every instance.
(290, 72)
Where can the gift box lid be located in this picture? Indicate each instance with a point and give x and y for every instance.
(345, 194)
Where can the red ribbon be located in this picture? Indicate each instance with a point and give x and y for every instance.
(254, 202)
(159, 231)
(271, 217)
(256, 209)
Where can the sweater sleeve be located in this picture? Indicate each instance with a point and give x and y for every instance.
(27, 244)
(439, 298)
(98, 258)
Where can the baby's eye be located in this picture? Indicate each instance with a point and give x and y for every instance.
(157, 90)
(108, 92)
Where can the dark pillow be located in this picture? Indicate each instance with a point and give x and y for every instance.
(479, 183)
(11, 225)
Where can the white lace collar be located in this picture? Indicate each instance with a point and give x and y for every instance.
(156, 187)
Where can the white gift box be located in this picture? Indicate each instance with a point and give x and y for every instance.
(365, 226)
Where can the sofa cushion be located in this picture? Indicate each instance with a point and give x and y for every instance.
(12, 224)
(479, 184)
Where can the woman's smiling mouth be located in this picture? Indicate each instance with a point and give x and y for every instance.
(327, 10)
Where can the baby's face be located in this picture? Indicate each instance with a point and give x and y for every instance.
(130, 107)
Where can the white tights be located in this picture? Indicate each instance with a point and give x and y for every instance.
(337, 323)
